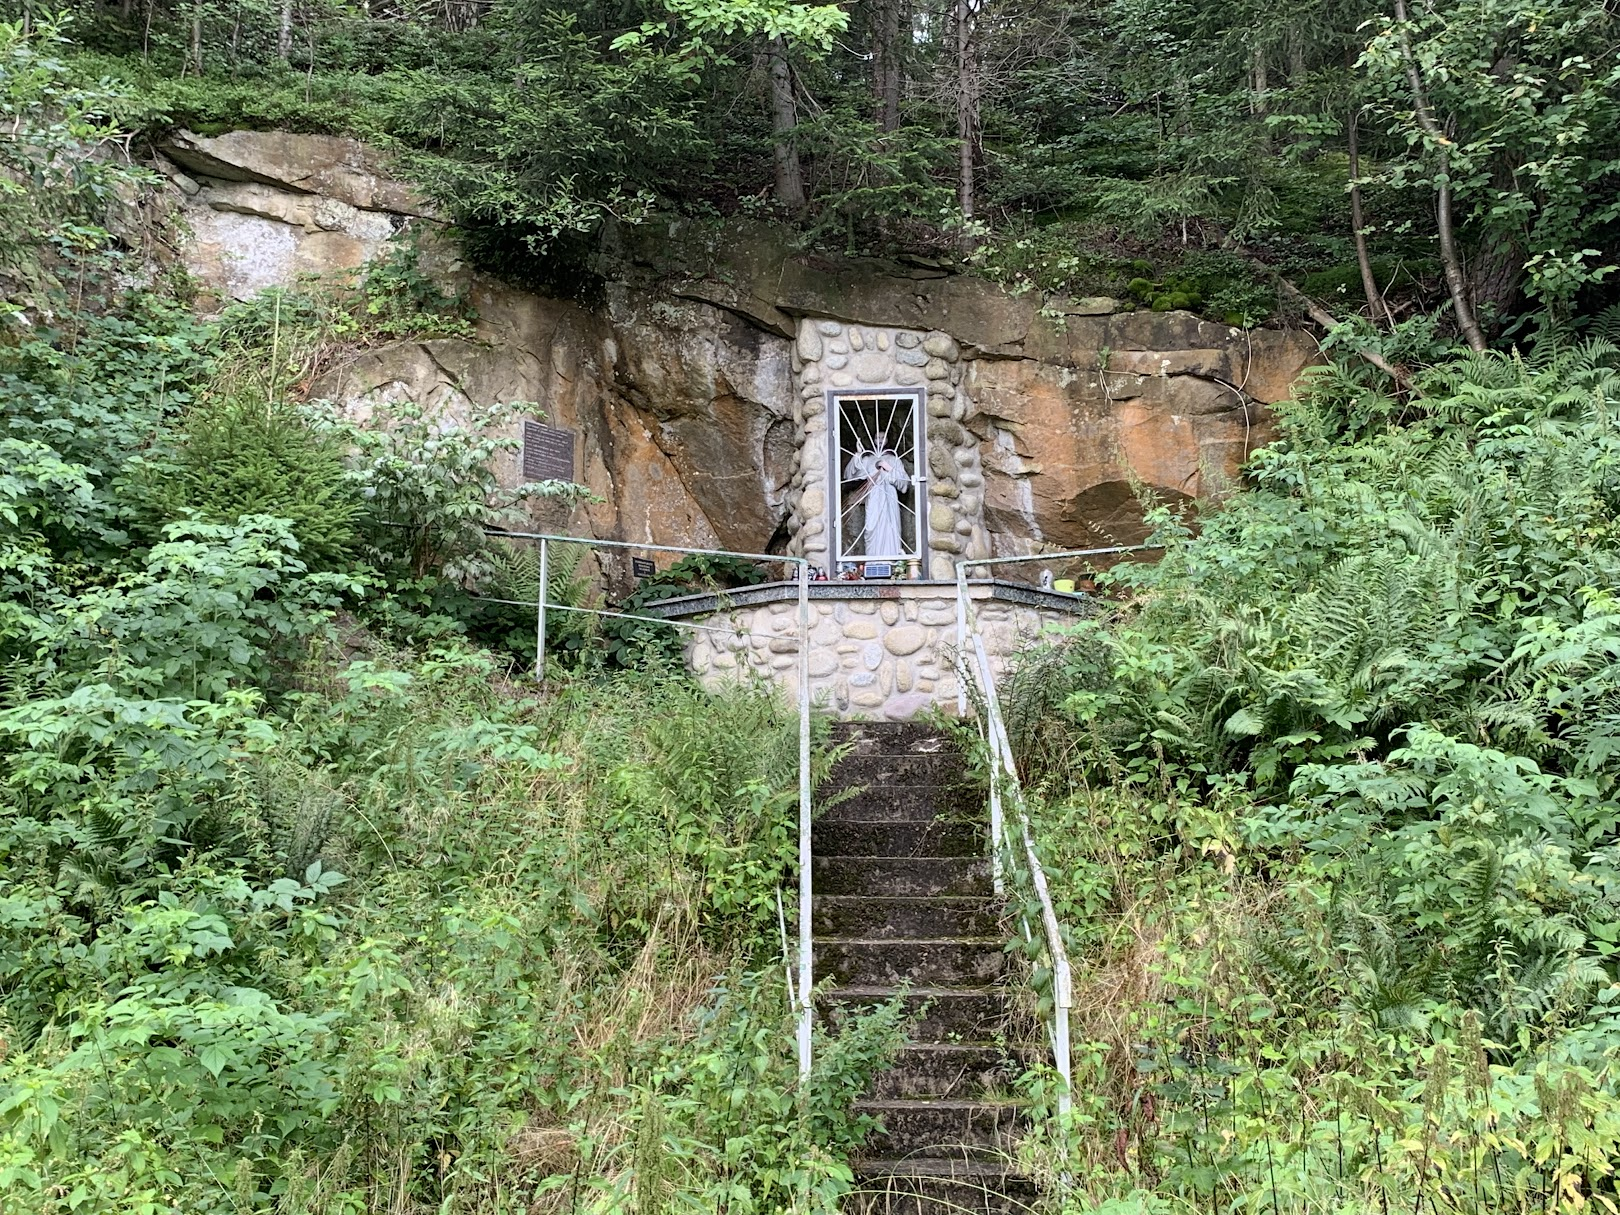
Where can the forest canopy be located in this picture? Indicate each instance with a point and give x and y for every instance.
(1460, 156)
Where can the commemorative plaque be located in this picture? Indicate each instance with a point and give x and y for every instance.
(548, 453)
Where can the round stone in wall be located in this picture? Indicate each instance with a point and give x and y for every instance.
(835, 361)
(871, 367)
(830, 328)
(905, 639)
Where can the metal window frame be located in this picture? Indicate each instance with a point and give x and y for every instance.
(835, 468)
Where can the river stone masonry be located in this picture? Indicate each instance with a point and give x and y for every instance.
(830, 356)
(881, 652)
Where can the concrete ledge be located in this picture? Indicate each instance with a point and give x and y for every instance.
(845, 592)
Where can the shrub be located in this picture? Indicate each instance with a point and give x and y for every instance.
(245, 456)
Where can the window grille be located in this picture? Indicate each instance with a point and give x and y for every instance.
(876, 475)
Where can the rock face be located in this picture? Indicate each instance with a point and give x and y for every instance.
(682, 387)
(1108, 406)
(681, 431)
(266, 207)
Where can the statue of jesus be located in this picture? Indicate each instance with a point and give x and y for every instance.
(882, 475)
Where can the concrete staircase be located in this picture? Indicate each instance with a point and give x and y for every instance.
(903, 902)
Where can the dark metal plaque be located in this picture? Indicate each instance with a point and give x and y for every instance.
(548, 453)
(642, 567)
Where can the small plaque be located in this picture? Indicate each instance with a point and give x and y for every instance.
(642, 567)
(548, 453)
(878, 569)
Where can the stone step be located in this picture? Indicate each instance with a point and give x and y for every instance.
(946, 1070)
(896, 803)
(970, 1130)
(892, 738)
(936, 1014)
(876, 918)
(903, 900)
(902, 876)
(907, 837)
(938, 1187)
(923, 768)
(964, 962)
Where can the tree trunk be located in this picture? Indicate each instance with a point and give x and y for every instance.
(1450, 259)
(284, 34)
(1497, 274)
(1259, 81)
(784, 118)
(1369, 283)
(1327, 320)
(886, 64)
(967, 107)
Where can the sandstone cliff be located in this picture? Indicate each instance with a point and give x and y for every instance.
(681, 386)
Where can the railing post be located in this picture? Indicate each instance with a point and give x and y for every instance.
(998, 816)
(1062, 999)
(540, 613)
(806, 977)
(961, 641)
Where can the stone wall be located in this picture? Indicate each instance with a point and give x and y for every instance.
(831, 355)
(887, 656)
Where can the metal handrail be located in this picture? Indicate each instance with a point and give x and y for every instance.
(1004, 776)
(1004, 786)
(803, 997)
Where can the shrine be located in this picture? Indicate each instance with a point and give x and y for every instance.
(887, 497)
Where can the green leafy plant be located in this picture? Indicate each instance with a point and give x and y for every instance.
(244, 456)
(399, 299)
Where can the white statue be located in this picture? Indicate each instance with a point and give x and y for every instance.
(883, 475)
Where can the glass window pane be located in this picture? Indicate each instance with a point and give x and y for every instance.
(876, 476)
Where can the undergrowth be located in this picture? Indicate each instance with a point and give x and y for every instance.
(305, 904)
(1331, 807)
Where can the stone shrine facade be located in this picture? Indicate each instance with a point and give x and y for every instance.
(834, 361)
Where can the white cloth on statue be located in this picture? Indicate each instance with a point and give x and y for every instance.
(884, 474)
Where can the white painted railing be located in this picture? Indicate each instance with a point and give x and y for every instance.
(802, 993)
(1014, 856)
